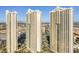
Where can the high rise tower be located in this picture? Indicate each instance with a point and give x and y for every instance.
(61, 33)
(33, 33)
(11, 41)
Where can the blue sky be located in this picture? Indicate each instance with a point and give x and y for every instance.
(21, 10)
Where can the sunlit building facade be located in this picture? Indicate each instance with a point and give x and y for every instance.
(11, 42)
(33, 33)
(61, 30)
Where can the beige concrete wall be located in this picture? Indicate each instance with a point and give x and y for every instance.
(61, 30)
(11, 43)
(34, 32)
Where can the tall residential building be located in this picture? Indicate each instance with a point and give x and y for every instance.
(61, 33)
(11, 41)
(33, 33)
